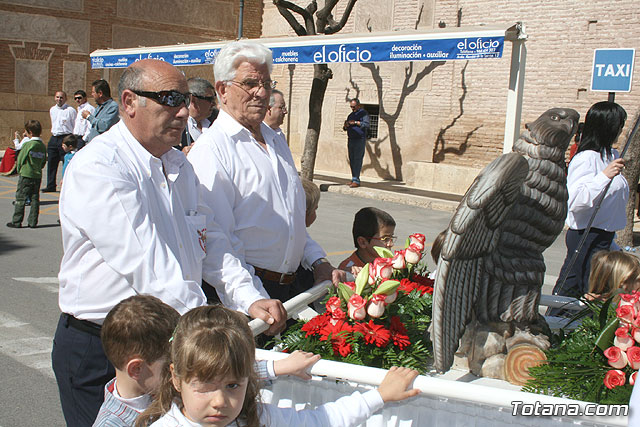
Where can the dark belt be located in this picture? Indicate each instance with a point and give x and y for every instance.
(274, 276)
(83, 325)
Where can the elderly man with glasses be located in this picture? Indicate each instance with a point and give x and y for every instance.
(130, 225)
(249, 180)
(203, 102)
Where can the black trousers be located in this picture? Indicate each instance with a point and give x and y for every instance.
(356, 154)
(82, 370)
(577, 283)
(55, 155)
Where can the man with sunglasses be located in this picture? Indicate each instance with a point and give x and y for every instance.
(63, 119)
(130, 225)
(82, 127)
(106, 115)
(249, 181)
(203, 102)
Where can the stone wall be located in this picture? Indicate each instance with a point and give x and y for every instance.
(45, 45)
(454, 116)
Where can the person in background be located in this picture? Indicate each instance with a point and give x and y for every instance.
(105, 115)
(595, 165)
(203, 101)
(31, 160)
(83, 126)
(69, 145)
(612, 271)
(63, 120)
(356, 125)
(371, 227)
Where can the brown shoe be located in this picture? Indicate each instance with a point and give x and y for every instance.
(354, 185)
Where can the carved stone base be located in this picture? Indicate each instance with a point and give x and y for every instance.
(501, 350)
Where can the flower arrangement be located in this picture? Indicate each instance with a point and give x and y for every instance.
(379, 320)
(598, 362)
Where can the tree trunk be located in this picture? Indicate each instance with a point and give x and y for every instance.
(631, 172)
(321, 75)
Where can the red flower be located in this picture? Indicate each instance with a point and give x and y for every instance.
(399, 333)
(373, 334)
(407, 286)
(614, 378)
(422, 280)
(338, 333)
(315, 325)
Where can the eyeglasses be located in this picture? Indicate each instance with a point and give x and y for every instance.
(252, 86)
(170, 98)
(209, 99)
(386, 239)
(78, 98)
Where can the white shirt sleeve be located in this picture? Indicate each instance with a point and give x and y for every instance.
(347, 411)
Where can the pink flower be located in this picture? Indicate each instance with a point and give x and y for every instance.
(398, 262)
(351, 285)
(614, 378)
(391, 297)
(382, 267)
(356, 307)
(633, 357)
(632, 378)
(616, 357)
(418, 240)
(635, 333)
(412, 254)
(376, 305)
(630, 299)
(332, 304)
(626, 313)
(622, 340)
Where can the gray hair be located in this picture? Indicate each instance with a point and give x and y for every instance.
(235, 53)
(131, 79)
(199, 86)
(272, 98)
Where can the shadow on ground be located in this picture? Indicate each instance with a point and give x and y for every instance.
(393, 186)
(8, 245)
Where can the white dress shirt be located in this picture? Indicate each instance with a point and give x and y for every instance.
(83, 126)
(19, 143)
(347, 411)
(585, 182)
(128, 229)
(257, 198)
(63, 119)
(194, 131)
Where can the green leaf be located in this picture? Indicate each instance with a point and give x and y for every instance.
(387, 287)
(362, 280)
(344, 291)
(605, 339)
(383, 252)
(604, 312)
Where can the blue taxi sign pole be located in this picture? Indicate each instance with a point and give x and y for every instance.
(612, 71)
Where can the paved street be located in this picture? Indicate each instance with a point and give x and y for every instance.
(29, 262)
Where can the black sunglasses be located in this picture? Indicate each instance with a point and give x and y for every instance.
(204, 98)
(77, 97)
(170, 98)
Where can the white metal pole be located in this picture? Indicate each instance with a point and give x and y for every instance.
(516, 88)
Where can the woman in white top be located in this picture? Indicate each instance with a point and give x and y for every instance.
(591, 169)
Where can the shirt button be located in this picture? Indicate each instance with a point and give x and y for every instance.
(286, 262)
(163, 185)
(180, 245)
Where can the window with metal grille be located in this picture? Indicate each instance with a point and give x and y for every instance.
(374, 115)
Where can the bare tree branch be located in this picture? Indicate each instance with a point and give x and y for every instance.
(286, 8)
(334, 28)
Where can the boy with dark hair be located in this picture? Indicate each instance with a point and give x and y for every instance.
(371, 227)
(135, 336)
(70, 147)
(29, 164)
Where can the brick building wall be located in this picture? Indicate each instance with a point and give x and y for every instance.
(45, 45)
(454, 118)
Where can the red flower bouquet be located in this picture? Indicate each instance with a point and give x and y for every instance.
(379, 320)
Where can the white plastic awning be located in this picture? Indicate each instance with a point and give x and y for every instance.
(465, 43)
